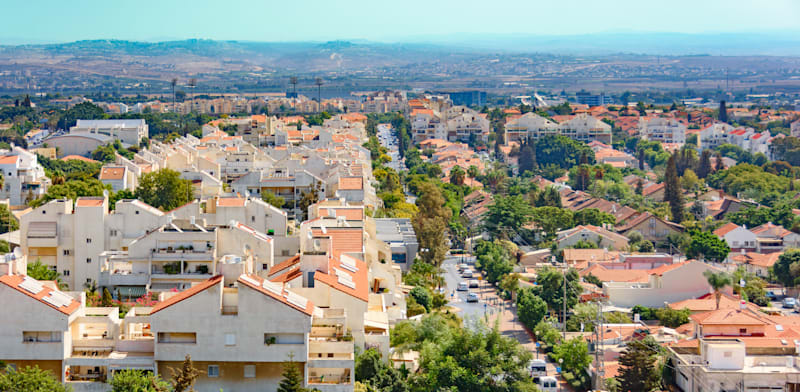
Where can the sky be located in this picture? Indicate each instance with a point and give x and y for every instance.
(45, 21)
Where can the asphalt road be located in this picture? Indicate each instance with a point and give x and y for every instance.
(388, 139)
(487, 304)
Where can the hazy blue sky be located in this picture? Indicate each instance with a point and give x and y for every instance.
(294, 20)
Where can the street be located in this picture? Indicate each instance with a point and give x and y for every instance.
(493, 307)
(388, 139)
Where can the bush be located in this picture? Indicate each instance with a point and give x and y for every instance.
(422, 296)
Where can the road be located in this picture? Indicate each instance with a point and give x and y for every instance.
(491, 307)
(388, 139)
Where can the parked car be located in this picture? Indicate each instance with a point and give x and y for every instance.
(771, 295)
(538, 368)
(463, 266)
(467, 273)
(472, 297)
(548, 384)
(463, 286)
(789, 302)
(473, 283)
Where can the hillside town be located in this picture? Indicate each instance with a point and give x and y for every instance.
(365, 244)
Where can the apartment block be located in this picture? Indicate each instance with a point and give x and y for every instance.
(664, 130)
(23, 178)
(128, 132)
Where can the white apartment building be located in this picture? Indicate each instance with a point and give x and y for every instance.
(586, 128)
(664, 130)
(57, 235)
(23, 178)
(129, 132)
(457, 123)
(746, 138)
(529, 125)
(239, 331)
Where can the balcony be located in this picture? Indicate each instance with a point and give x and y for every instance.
(183, 254)
(124, 278)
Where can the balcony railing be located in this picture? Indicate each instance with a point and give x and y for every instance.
(329, 379)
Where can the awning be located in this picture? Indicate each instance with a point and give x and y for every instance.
(42, 230)
(131, 291)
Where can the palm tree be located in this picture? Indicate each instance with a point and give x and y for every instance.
(717, 281)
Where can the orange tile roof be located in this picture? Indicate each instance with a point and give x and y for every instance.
(360, 279)
(351, 183)
(284, 265)
(725, 229)
(14, 281)
(230, 202)
(9, 159)
(615, 275)
(78, 157)
(112, 173)
(708, 303)
(343, 239)
(757, 259)
(89, 201)
(309, 309)
(668, 267)
(355, 214)
(731, 317)
(198, 288)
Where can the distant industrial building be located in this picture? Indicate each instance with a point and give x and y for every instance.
(468, 98)
(585, 98)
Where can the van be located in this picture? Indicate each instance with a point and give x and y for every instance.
(548, 384)
(538, 368)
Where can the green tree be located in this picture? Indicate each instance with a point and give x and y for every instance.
(672, 190)
(707, 245)
(422, 296)
(593, 216)
(573, 354)
(639, 369)
(30, 379)
(561, 151)
(183, 379)
(531, 308)
(507, 214)
(164, 189)
(551, 287)
(430, 224)
(307, 198)
(106, 301)
(72, 189)
(704, 168)
(292, 379)
(132, 380)
(5, 247)
(671, 318)
(81, 111)
(473, 171)
(552, 219)
(271, 198)
(787, 268)
(7, 220)
(39, 271)
(527, 157)
(457, 175)
(717, 281)
(377, 374)
(723, 112)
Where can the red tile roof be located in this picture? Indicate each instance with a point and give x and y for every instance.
(9, 159)
(198, 288)
(360, 279)
(725, 229)
(112, 173)
(351, 183)
(284, 265)
(14, 281)
(230, 202)
(90, 201)
(343, 239)
(355, 214)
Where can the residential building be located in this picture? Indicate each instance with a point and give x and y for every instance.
(665, 284)
(129, 132)
(24, 179)
(664, 130)
(738, 238)
(774, 238)
(118, 177)
(599, 236)
(586, 128)
(399, 234)
(468, 98)
(34, 137)
(528, 125)
(651, 227)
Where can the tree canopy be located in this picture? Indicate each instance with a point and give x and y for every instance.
(164, 189)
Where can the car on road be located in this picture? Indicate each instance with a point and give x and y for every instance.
(473, 283)
(548, 384)
(538, 368)
(771, 295)
(472, 297)
(463, 266)
(467, 273)
(789, 303)
(463, 286)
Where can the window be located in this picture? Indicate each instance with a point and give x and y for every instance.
(67, 252)
(252, 219)
(264, 267)
(230, 339)
(89, 280)
(44, 212)
(213, 371)
(285, 252)
(137, 212)
(177, 337)
(112, 233)
(65, 273)
(88, 260)
(88, 240)
(283, 338)
(742, 330)
(41, 337)
(249, 371)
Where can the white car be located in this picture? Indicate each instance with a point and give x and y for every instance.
(472, 297)
(463, 286)
(467, 273)
(473, 283)
(548, 384)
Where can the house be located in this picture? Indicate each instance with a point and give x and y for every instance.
(708, 302)
(602, 237)
(528, 125)
(738, 238)
(653, 228)
(117, 176)
(24, 178)
(654, 192)
(240, 333)
(774, 238)
(129, 132)
(755, 263)
(665, 284)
